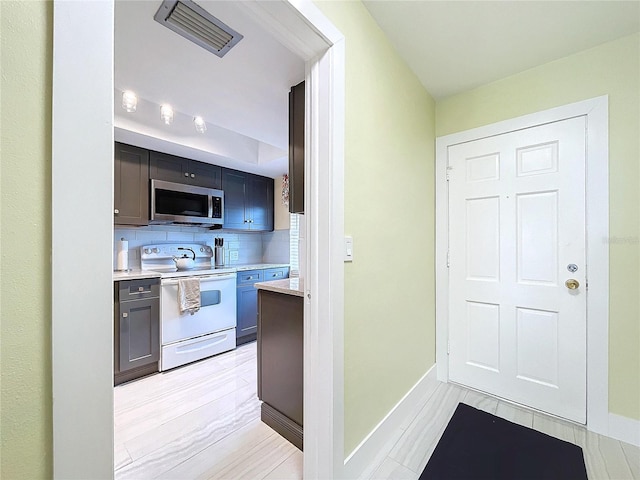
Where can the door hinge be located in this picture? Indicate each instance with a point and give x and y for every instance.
(448, 347)
(448, 259)
(448, 170)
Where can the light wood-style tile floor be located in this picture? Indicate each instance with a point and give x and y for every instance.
(409, 450)
(199, 421)
(203, 421)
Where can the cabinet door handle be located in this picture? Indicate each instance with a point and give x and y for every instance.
(193, 175)
(116, 211)
(186, 174)
(125, 315)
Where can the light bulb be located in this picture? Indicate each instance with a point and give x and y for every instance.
(129, 101)
(200, 124)
(166, 114)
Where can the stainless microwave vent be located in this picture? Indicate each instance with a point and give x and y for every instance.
(194, 23)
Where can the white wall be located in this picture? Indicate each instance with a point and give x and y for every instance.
(280, 210)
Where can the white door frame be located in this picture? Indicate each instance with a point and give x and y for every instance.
(597, 197)
(82, 292)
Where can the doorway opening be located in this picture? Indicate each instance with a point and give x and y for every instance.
(82, 390)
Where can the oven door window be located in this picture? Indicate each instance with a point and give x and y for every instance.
(170, 202)
(210, 297)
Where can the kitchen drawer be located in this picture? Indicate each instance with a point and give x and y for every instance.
(249, 277)
(276, 273)
(138, 289)
(180, 353)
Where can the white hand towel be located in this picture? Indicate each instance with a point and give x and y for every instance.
(189, 295)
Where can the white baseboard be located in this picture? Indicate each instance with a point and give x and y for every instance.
(375, 446)
(624, 429)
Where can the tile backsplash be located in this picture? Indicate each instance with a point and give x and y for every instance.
(269, 247)
(275, 246)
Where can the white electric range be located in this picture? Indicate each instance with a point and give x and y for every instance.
(211, 330)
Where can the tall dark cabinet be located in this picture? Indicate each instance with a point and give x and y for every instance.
(296, 149)
(131, 185)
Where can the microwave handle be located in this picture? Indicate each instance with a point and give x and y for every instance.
(210, 206)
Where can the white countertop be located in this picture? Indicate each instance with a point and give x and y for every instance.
(257, 266)
(288, 286)
(138, 274)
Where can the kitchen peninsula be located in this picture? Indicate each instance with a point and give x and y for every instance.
(280, 356)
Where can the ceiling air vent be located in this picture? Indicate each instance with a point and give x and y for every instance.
(196, 24)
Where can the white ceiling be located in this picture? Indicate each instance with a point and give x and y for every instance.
(243, 96)
(454, 46)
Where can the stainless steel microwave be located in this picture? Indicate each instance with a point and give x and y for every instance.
(180, 203)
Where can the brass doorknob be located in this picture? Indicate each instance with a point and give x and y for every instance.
(572, 284)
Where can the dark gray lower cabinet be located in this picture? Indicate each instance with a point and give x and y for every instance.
(247, 300)
(136, 329)
(247, 305)
(281, 363)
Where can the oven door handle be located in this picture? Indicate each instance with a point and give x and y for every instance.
(203, 278)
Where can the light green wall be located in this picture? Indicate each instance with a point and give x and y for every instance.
(612, 69)
(389, 209)
(25, 236)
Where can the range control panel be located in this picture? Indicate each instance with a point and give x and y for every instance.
(160, 257)
(170, 250)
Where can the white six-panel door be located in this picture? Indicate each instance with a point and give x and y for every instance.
(517, 232)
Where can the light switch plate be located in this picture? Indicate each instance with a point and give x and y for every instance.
(348, 248)
(233, 255)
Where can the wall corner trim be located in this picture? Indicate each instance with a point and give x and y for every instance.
(370, 453)
(624, 429)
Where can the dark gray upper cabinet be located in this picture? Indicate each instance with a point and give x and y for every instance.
(296, 149)
(131, 185)
(248, 201)
(234, 184)
(183, 170)
(260, 203)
